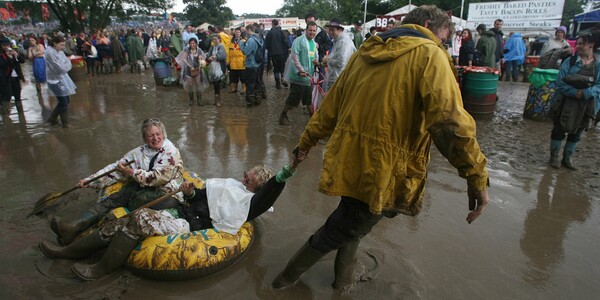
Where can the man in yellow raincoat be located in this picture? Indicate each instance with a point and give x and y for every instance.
(397, 95)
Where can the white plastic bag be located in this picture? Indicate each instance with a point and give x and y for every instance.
(215, 73)
(228, 203)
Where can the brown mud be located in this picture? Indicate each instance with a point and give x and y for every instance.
(539, 238)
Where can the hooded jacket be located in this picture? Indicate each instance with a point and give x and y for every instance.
(514, 49)
(397, 94)
(498, 35)
(249, 48)
(486, 46)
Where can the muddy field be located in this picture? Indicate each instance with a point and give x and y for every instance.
(538, 239)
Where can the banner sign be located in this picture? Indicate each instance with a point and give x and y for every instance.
(381, 22)
(518, 14)
(283, 22)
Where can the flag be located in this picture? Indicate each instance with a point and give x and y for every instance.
(11, 10)
(45, 12)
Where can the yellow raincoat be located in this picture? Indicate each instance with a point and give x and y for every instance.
(392, 100)
(237, 59)
(226, 41)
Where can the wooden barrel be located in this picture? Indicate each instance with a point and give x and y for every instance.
(479, 93)
(78, 73)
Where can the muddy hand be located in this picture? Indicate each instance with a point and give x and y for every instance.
(187, 188)
(82, 183)
(126, 170)
(298, 157)
(478, 200)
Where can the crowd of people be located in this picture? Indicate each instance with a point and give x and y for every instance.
(490, 48)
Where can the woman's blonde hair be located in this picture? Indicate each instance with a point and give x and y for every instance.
(263, 174)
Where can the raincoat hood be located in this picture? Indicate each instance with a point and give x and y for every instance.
(488, 33)
(395, 43)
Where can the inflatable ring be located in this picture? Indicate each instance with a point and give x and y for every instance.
(189, 255)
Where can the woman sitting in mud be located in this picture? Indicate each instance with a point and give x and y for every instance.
(156, 170)
(224, 204)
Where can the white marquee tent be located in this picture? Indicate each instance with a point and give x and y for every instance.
(405, 10)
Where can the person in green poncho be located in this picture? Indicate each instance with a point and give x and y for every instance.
(135, 49)
(176, 44)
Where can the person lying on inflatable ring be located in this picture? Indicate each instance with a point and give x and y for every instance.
(224, 204)
(156, 171)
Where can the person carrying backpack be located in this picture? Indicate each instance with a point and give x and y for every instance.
(254, 61)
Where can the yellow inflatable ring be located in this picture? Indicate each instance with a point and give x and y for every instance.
(186, 256)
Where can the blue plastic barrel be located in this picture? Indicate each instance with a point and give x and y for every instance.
(161, 71)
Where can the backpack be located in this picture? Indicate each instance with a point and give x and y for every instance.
(259, 55)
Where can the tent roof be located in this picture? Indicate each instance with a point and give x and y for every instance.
(405, 10)
(590, 16)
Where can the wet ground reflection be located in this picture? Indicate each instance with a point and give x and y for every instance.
(539, 238)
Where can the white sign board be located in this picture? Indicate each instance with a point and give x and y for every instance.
(283, 22)
(519, 14)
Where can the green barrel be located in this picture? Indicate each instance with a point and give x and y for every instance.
(479, 93)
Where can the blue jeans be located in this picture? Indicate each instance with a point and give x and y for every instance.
(512, 67)
(63, 104)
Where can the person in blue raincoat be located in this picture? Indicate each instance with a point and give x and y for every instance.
(514, 55)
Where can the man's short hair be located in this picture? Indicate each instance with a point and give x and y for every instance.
(498, 21)
(250, 27)
(275, 22)
(311, 23)
(310, 15)
(481, 27)
(420, 15)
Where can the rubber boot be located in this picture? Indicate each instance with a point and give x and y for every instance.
(250, 100)
(67, 232)
(199, 99)
(283, 119)
(79, 249)
(284, 83)
(116, 254)
(5, 108)
(191, 98)
(64, 119)
(53, 118)
(554, 152)
(19, 106)
(567, 160)
(218, 100)
(298, 264)
(345, 262)
(278, 84)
